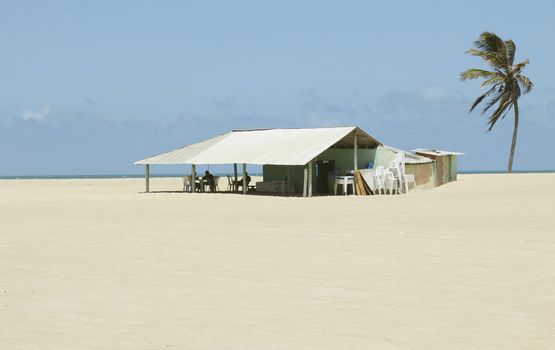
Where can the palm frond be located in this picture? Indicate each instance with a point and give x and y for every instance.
(510, 49)
(525, 83)
(492, 44)
(493, 81)
(507, 111)
(481, 98)
(492, 102)
(474, 73)
(502, 109)
(489, 42)
(495, 60)
(520, 66)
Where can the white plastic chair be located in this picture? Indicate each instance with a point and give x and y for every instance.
(404, 177)
(344, 181)
(379, 180)
(399, 164)
(391, 183)
(408, 179)
(230, 186)
(187, 184)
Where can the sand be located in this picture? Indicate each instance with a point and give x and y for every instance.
(95, 264)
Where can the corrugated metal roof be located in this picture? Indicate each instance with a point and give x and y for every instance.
(435, 152)
(264, 146)
(410, 158)
(181, 155)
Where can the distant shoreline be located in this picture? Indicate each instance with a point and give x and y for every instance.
(136, 176)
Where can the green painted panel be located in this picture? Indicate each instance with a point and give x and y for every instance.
(344, 162)
(279, 172)
(344, 158)
(453, 168)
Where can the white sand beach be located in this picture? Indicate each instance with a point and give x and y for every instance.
(97, 264)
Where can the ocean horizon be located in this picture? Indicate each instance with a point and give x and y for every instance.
(125, 176)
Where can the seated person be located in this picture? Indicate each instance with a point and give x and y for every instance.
(240, 181)
(209, 178)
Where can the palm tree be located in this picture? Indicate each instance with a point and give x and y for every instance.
(505, 82)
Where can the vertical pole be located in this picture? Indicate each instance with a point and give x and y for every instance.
(193, 177)
(287, 184)
(305, 182)
(147, 177)
(355, 160)
(235, 187)
(355, 153)
(245, 187)
(454, 167)
(310, 179)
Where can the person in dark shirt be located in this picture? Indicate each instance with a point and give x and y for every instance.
(248, 179)
(240, 181)
(209, 179)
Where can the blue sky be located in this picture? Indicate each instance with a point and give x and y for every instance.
(88, 87)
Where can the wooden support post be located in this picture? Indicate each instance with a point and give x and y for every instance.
(310, 179)
(355, 160)
(288, 182)
(305, 182)
(193, 178)
(235, 187)
(147, 177)
(245, 186)
(355, 153)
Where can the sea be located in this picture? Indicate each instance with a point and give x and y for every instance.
(132, 176)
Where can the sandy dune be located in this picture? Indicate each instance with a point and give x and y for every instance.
(94, 264)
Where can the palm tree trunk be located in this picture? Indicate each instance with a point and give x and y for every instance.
(513, 144)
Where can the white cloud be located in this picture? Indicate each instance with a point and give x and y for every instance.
(36, 115)
(435, 93)
(427, 100)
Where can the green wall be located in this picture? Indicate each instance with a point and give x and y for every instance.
(343, 158)
(279, 172)
(452, 167)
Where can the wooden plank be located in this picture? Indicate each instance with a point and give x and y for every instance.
(359, 184)
(363, 186)
(366, 186)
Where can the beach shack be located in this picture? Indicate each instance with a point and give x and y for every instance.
(445, 164)
(294, 160)
(303, 161)
(347, 154)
